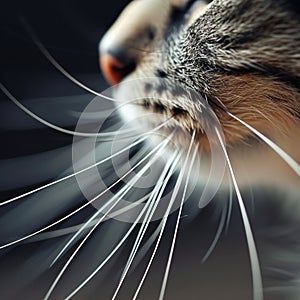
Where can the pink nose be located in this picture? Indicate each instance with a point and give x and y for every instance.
(113, 68)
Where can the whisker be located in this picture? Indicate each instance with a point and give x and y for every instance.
(108, 257)
(154, 201)
(78, 209)
(217, 236)
(50, 58)
(162, 226)
(57, 128)
(114, 250)
(117, 247)
(283, 288)
(281, 272)
(144, 249)
(167, 271)
(160, 146)
(161, 231)
(229, 204)
(255, 267)
(121, 193)
(145, 136)
(287, 158)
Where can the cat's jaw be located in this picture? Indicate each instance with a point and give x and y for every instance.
(234, 68)
(254, 162)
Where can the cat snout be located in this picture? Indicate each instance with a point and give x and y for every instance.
(131, 37)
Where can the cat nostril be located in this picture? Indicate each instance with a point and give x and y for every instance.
(113, 68)
(178, 111)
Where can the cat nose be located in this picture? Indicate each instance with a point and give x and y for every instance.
(115, 65)
(131, 37)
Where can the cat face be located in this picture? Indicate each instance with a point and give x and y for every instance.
(196, 63)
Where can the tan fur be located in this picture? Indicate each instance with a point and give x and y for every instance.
(266, 104)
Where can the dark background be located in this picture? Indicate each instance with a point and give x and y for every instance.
(71, 31)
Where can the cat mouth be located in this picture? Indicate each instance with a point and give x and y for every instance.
(177, 114)
(177, 118)
(150, 113)
(179, 108)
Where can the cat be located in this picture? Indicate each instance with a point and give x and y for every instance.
(238, 57)
(212, 87)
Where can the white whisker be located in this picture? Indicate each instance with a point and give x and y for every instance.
(80, 208)
(154, 201)
(50, 58)
(216, 238)
(160, 146)
(72, 229)
(145, 136)
(117, 247)
(167, 271)
(255, 267)
(229, 204)
(162, 226)
(109, 256)
(121, 193)
(146, 246)
(104, 135)
(287, 158)
(282, 288)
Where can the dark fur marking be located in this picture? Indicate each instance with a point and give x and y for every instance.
(148, 87)
(160, 73)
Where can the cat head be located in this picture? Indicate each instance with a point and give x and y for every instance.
(230, 64)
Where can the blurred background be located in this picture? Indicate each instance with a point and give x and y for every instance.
(71, 31)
